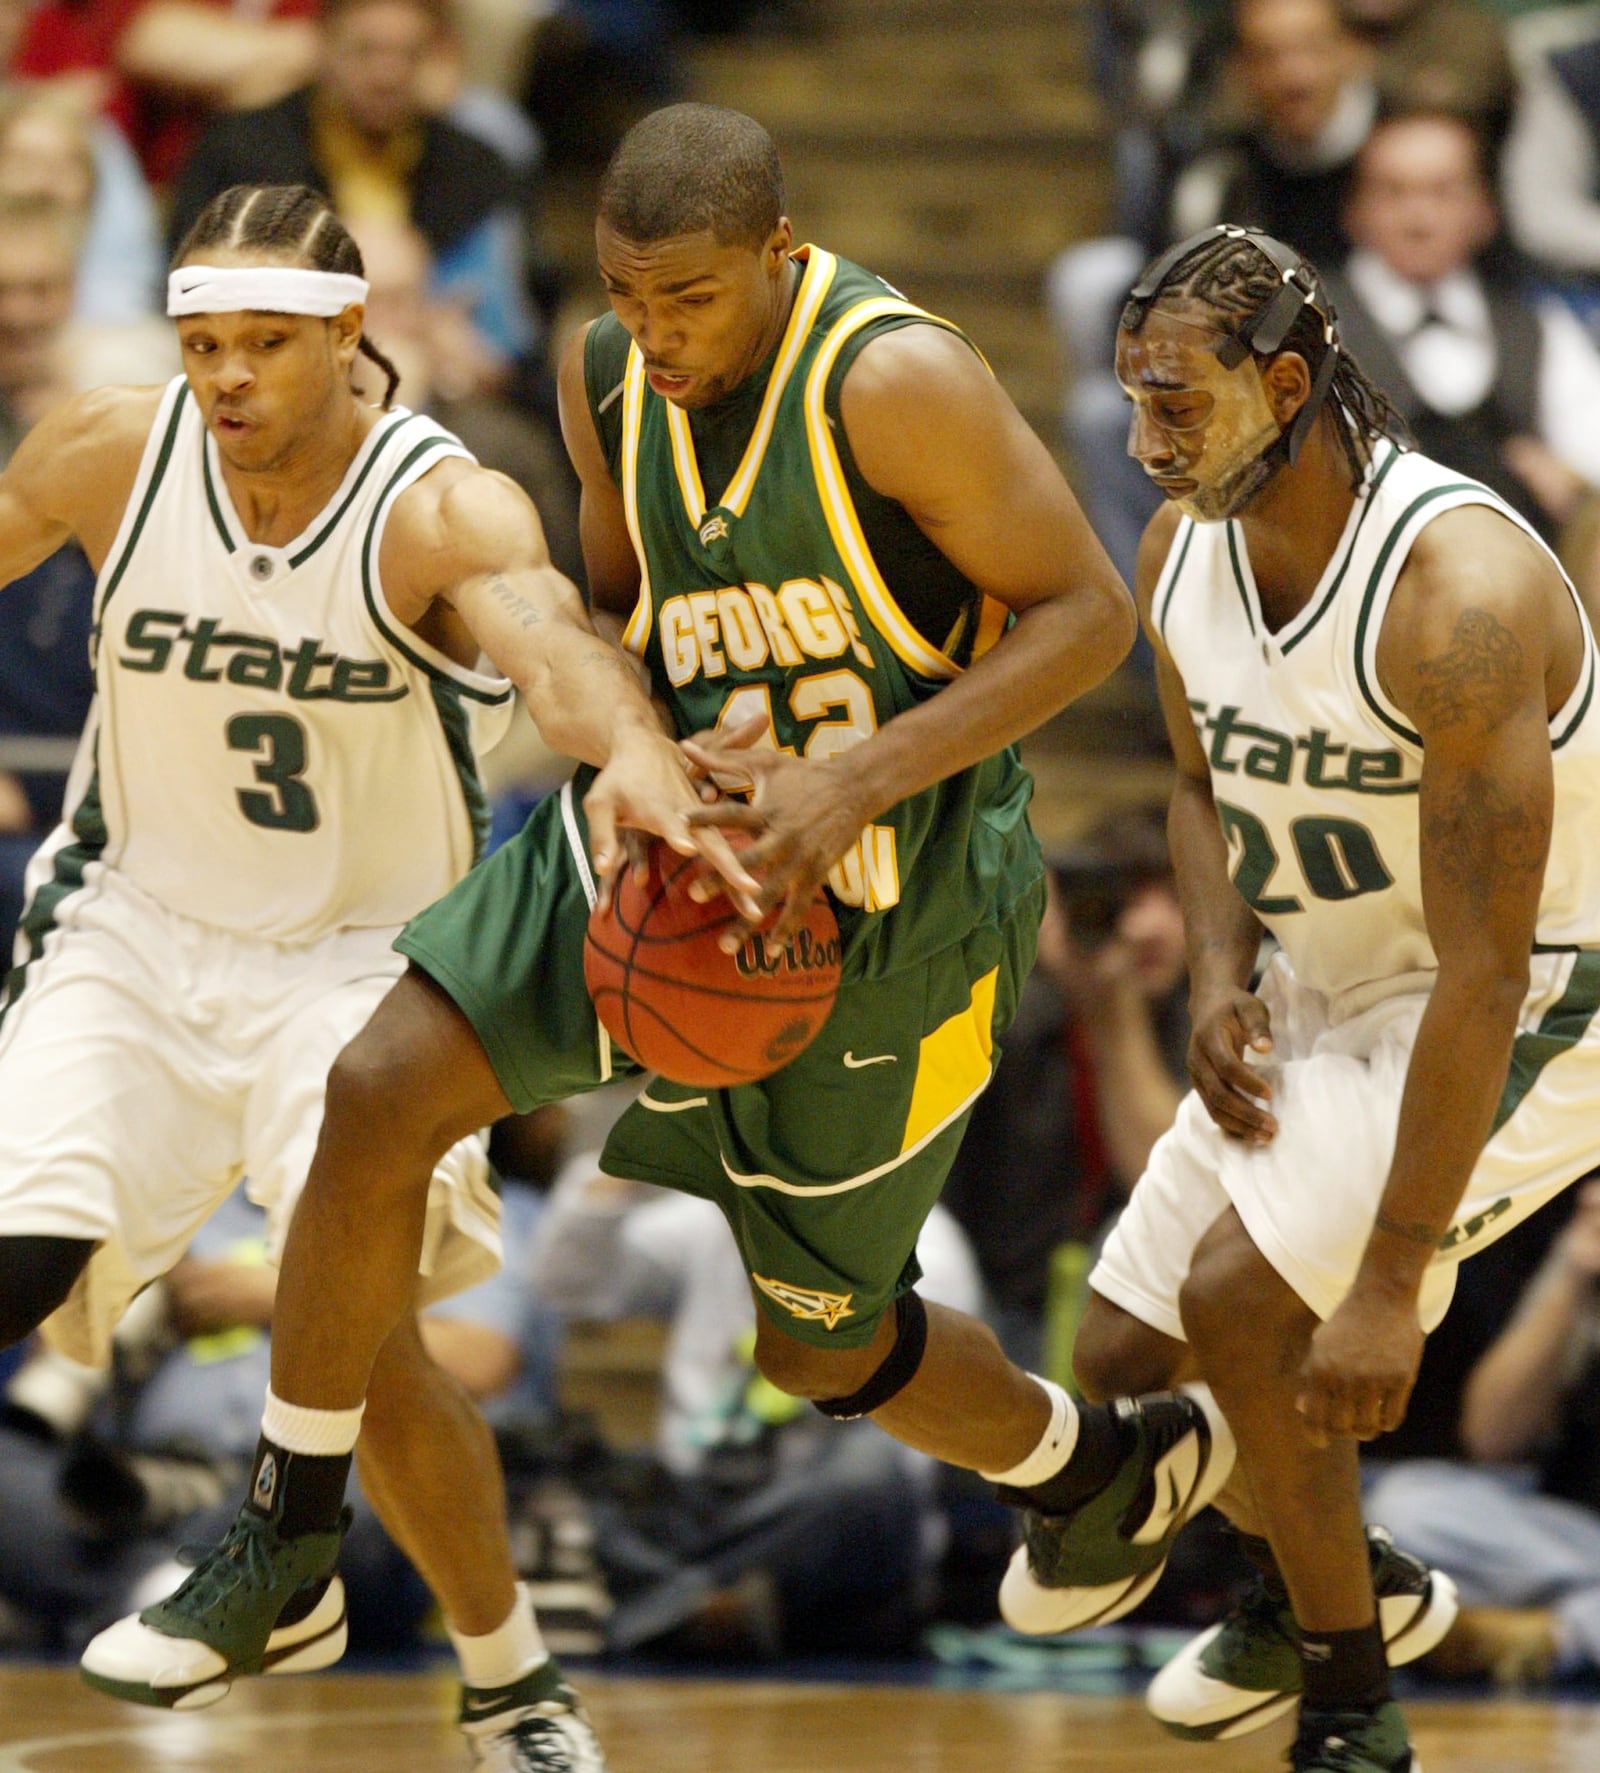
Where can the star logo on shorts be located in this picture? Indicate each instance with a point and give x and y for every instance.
(807, 1302)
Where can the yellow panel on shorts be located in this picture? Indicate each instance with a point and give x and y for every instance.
(953, 1063)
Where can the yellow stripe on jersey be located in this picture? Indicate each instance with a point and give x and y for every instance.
(815, 283)
(991, 625)
(887, 616)
(954, 1062)
(691, 489)
(636, 636)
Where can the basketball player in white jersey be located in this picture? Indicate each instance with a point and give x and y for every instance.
(1380, 692)
(294, 592)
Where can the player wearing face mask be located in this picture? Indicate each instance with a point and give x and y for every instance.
(1378, 686)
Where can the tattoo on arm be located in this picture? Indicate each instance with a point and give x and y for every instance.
(1477, 678)
(1412, 1230)
(513, 602)
(1479, 835)
(606, 658)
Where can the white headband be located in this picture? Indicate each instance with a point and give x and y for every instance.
(271, 289)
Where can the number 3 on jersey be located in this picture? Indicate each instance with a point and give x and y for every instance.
(867, 874)
(278, 743)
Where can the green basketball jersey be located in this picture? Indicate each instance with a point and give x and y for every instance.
(760, 594)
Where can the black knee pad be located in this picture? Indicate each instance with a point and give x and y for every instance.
(36, 1274)
(898, 1369)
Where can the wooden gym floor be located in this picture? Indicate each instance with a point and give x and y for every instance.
(339, 1723)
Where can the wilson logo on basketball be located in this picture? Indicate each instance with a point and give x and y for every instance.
(803, 953)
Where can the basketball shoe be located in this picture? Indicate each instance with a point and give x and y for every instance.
(536, 1725)
(1097, 1561)
(1245, 1673)
(1353, 1742)
(255, 1604)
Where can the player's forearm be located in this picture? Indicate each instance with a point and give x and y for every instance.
(26, 538)
(1453, 1086)
(1054, 652)
(584, 694)
(1221, 934)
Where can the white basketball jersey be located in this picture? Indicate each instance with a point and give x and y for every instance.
(274, 753)
(1315, 772)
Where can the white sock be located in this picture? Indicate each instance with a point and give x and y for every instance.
(1054, 1449)
(513, 1649)
(319, 1433)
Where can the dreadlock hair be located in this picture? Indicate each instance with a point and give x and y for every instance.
(292, 222)
(1235, 279)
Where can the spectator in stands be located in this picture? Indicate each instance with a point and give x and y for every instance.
(363, 131)
(1157, 64)
(1552, 157)
(46, 683)
(447, 370)
(50, 146)
(1494, 382)
(155, 67)
(767, 1530)
(39, 241)
(1519, 1526)
(95, 1499)
(1309, 102)
(1090, 1076)
(1438, 55)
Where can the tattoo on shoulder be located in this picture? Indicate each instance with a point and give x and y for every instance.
(1477, 678)
(513, 602)
(1412, 1230)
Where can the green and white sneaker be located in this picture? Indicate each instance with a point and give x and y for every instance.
(536, 1725)
(256, 1604)
(1353, 1742)
(1099, 1560)
(1245, 1673)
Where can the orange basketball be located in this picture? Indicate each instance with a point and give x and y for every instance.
(668, 995)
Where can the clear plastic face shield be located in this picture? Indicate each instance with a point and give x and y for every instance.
(1203, 424)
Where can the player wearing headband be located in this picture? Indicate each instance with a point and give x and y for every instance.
(1379, 688)
(295, 590)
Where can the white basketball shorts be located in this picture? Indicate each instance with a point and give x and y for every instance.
(149, 1061)
(1308, 1200)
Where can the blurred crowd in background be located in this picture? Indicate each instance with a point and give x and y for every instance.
(1440, 162)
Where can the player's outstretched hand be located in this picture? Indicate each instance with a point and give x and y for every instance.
(1235, 1095)
(1358, 1376)
(801, 817)
(645, 786)
(741, 736)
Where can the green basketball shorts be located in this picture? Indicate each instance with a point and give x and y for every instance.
(825, 1170)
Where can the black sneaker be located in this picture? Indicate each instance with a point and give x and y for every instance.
(1245, 1672)
(1099, 1560)
(1353, 1742)
(255, 1604)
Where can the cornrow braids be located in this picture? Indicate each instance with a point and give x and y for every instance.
(1233, 278)
(292, 222)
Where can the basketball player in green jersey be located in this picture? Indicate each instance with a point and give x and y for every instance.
(852, 577)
